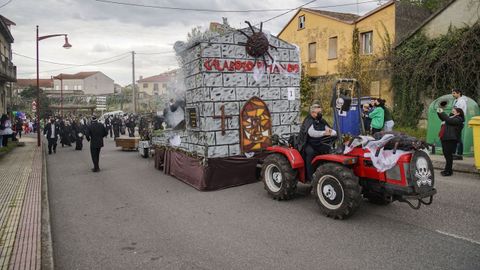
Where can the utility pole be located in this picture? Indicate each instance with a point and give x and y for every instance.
(133, 84)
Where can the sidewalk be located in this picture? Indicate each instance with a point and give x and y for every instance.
(21, 174)
(467, 165)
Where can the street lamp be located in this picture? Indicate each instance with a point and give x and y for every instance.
(66, 46)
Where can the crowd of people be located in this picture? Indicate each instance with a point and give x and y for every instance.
(12, 129)
(377, 116)
(121, 124)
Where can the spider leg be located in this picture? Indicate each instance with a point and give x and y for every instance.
(244, 33)
(265, 62)
(261, 26)
(242, 43)
(275, 47)
(271, 57)
(251, 27)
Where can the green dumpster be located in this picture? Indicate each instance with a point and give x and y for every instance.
(433, 122)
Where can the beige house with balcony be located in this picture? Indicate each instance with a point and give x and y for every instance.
(156, 85)
(8, 71)
(91, 83)
(326, 40)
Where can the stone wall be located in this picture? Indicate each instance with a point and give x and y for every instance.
(220, 73)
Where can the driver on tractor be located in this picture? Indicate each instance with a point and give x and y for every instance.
(312, 138)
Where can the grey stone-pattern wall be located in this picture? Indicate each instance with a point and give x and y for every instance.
(208, 87)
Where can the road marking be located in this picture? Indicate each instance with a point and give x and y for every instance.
(459, 237)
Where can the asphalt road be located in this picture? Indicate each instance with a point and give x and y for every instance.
(132, 216)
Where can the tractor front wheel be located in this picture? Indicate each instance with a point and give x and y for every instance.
(336, 190)
(279, 178)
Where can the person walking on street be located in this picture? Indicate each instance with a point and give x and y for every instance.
(52, 131)
(461, 103)
(450, 134)
(95, 133)
(108, 125)
(19, 127)
(116, 123)
(78, 129)
(131, 126)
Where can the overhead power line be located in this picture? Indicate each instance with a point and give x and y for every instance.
(223, 11)
(8, 2)
(293, 9)
(94, 63)
(347, 4)
(191, 9)
(152, 53)
(69, 64)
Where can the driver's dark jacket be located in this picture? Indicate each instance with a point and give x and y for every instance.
(303, 138)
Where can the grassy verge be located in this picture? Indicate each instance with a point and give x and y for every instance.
(419, 133)
(10, 146)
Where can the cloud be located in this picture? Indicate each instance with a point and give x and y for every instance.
(99, 30)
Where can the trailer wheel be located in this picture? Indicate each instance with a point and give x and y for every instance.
(278, 177)
(336, 190)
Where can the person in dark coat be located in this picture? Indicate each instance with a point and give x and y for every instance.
(116, 123)
(450, 134)
(108, 125)
(66, 132)
(130, 126)
(79, 131)
(52, 131)
(95, 133)
(19, 127)
(313, 131)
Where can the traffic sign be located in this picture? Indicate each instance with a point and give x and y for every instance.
(101, 103)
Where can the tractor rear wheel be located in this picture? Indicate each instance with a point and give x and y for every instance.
(336, 190)
(279, 178)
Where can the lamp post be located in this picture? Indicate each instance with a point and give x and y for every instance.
(66, 46)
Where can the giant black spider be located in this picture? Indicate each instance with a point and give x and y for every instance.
(257, 44)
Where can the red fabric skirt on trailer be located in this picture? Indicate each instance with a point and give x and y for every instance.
(218, 173)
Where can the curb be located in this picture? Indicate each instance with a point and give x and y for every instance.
(46, 230)
(457, 167)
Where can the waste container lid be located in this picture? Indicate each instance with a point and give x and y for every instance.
(474, 121)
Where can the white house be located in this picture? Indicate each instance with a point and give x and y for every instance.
(91, 83)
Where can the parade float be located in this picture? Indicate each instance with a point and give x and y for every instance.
(236, 89)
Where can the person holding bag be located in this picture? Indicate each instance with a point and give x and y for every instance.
(450, 133)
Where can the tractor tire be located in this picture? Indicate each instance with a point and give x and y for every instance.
(376, 198)
(278, 177)
(337, 190)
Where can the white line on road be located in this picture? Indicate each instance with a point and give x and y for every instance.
(459, 237)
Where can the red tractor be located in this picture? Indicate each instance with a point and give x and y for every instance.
(341, 181)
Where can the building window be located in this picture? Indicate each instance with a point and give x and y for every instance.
(65, 87)
(366, 43)
(332, 48)
(155, 87)
(80, 87)
(301, 22)
(57, 87)
(312, 52)
(164, 86)
(145, 85)
(74, 87)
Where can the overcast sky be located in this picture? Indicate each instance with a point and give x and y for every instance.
(99, 31)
